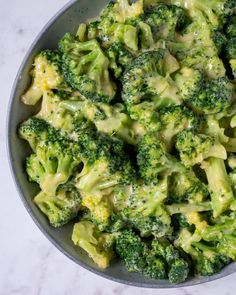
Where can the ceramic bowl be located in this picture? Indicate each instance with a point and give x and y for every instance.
(66, 20)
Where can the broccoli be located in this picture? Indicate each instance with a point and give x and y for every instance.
(52, 112)
(85, 68)
(125, 11)
(194, 148)
(186, 187)
(188, 81)
(231, 27)
(145, 209)
(220, 40)
(211, 126)
(99, 246)
(207, 260)
(46, 75)
(164, 254)
(164, 20)
(195, 47)
(146, 37)
(212, 97)
(215, 12)
(34, 130)
(111, 120)
(173, 120)
(119, 57)
(231, 49)
(219, 185)
(51, 165)
(153, 160)
(157, 260)
(147, 77)
(61, 207)
(146, 115)
(130, 248)
(105, 165)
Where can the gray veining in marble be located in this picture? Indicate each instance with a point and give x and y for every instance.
(29, 264)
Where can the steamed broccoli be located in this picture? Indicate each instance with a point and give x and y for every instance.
(213, 96)
(112, 120)
(164, 20)
(85, 68)
(207, 260)
(164, 254)
(34, 130)
(219, 185)
(51, 165)
(143, 208)
(194, 148)
(61, 207)
(46, 75)
(153, 159)
(99, 246)
(119, 57)
(147, 77)
(173, 120)
(186, 187)
(157, 260)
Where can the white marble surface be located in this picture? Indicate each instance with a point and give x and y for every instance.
(29, 263)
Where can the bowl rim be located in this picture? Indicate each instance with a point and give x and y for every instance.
(46, 233)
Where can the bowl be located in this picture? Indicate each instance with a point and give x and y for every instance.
(66, 20)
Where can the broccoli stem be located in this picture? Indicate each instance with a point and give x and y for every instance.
(187, 208)
(219, 185)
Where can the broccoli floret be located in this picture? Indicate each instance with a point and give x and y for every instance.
(188, 81)
(51, 165)
(219, 185)
(164, 260)
(183, 187)
(231, 49)
(194, 148)
(46, 75)
(213, 96)
(61, 207)
(220, 40)
(173, 120)
(164, 20)
(231, 27)
(85, 67)
(119, 57)
(99, 246)
(144, 208)
(153, 159)
(195, 47)
(111, 120)
(52, 112)
(147, 78)
(130, 248)
(146, 115)
(34, 130)
(105, 166)
(207, 260)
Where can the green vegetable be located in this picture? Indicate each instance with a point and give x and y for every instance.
(134, 136)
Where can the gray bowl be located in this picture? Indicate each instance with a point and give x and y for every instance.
(66, 20)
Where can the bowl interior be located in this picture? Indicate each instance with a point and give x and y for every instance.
(67, 20)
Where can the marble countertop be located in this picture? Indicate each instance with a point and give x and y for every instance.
(29, 263)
